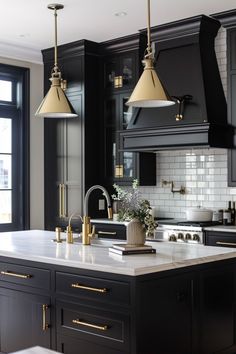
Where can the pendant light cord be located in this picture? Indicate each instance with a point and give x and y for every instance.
(55, 49)
(148, 51)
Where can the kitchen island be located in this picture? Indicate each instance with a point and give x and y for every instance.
(82, 299)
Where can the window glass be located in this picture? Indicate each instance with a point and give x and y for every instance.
(5, 171)
(5, 90)
(5, 207)
(5, 135)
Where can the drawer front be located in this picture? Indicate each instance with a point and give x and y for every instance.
(93, 324)
(220, 239)
(22, 275)
(70, 345)
(98, 289)
(110, 231)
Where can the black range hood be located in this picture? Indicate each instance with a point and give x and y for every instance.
(187, 65)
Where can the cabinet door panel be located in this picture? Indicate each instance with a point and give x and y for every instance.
(21, 321)
(217, 310)
(167, 305)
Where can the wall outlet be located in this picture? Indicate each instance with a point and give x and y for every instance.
(101, 204)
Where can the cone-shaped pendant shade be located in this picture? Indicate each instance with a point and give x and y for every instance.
(149, 91)
(55, 104)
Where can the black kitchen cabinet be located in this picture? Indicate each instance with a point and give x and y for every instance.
(22, 320)
(220, 238)
(169, 327)
(122, 67)
(71, 143)
(189, 310)
(25, 307)
(120, 71)
(231, 91)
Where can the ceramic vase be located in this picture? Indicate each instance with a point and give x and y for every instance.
(135, 233)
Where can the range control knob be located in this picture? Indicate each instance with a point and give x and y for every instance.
(180, 236)
(196, 237)
(188, 237)
(172, 238)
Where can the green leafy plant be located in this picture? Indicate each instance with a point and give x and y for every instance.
(132, 206)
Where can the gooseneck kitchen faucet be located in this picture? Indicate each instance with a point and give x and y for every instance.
(87, 230)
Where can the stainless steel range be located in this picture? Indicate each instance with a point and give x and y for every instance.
(181, 231)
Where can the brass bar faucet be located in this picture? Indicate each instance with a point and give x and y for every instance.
(87, 230)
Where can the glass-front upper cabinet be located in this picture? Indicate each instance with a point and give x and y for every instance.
(120, 71)
(119, 165)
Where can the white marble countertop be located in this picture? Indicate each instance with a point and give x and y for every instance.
(36, 245)
(221, 228)
(36, 350)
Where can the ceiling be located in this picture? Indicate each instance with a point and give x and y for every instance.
(27, 26)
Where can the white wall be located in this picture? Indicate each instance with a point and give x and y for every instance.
(36, 143)
(202, 171)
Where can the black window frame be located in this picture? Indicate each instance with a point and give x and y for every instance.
(18, 108)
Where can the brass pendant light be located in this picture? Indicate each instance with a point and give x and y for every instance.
(55, 104)
(149, 91)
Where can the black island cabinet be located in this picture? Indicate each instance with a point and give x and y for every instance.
(188, 310)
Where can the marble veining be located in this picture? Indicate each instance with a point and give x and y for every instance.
(37, 245)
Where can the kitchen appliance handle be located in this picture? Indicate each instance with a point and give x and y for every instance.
(113, 233)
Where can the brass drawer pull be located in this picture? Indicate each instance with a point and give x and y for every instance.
(82, 323)
(80, 286)
(45, 325)
(22, 276)
(107, 232)
(226, 243)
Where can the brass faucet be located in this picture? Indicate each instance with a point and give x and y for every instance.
(87, 230)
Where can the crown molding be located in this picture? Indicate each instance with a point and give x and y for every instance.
(13, 51)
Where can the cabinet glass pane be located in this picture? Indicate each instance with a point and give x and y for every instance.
(110, 73)
(5, 135)
(5, 207)
(127, 71)
(127, 112)
(5, 171)
(111, 161)
(127, 158)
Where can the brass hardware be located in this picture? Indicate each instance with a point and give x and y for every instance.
(58, 234)
(69, 235)
(119, 171)
(118, 81)
(82, 323)
(106, 233)
(226, 243)
(110, 212)
(16, 275)
(181, 190)
(181, 100)
(63, 187)
(62, 198)
(45, 325)
(63, 85)
(87, 230)
(80, 286)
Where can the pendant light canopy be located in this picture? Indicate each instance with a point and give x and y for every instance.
(149, 91)
(55, 104)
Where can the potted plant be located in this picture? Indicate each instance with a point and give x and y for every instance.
(135, 211)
